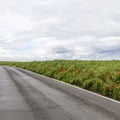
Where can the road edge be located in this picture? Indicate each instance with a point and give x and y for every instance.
(104, 102)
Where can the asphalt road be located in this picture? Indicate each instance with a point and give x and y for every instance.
(25, 95)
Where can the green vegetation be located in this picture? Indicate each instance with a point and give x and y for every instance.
(102, 77)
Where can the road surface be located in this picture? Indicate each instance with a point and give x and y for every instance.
(25, 95)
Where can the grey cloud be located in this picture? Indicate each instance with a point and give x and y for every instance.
(61, 50)
(62, 29)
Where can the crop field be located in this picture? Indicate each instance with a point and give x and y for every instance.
(102, 77)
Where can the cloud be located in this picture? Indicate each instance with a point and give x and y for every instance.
(108, 48)
(50, 29)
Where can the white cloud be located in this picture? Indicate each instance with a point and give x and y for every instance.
(62, 29)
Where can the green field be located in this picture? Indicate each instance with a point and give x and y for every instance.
(102, 77)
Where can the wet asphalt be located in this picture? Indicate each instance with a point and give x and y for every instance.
(25, 95)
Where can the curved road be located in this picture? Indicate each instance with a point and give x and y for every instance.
(25, 95)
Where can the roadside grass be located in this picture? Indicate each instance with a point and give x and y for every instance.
(102, 77)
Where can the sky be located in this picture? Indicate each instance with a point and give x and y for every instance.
(33, 30)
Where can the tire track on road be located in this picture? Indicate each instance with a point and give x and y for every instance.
(42, 107)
